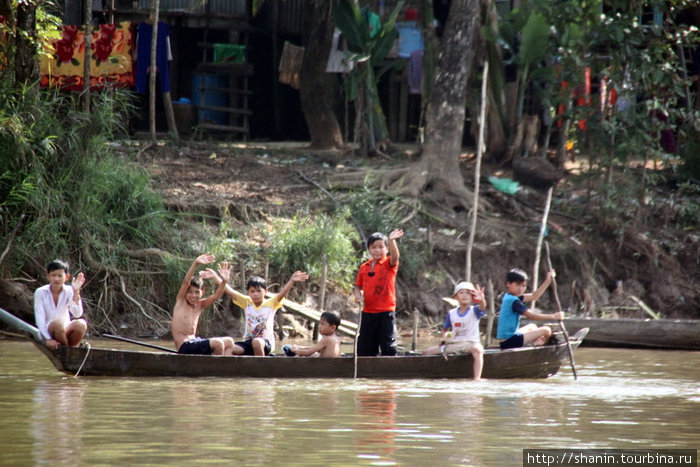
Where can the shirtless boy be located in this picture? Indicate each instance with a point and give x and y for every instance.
(188, 308)
(328, 346)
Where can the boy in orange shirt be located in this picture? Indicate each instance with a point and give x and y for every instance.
(376, 287)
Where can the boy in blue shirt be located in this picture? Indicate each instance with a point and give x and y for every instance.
(464, 322)
(513, 307)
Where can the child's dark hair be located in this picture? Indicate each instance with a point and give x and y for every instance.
(57, 264)
(516, 275)
(196, 281)
(331, 318)
(256, 281)
(377, 236)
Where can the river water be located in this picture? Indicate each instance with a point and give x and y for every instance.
(623, 399)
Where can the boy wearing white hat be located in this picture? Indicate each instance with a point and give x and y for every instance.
(464, 322)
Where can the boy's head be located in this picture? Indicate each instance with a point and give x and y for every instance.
(57, 264)
(194, 291)
(328, 323)
(256, 288)
(378, 245)
(516, 281)
(57, 273)
(464, 292)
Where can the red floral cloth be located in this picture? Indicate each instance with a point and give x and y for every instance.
(111, 62)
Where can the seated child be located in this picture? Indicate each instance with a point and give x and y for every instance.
(513, 307)
(58, 307)
(259, 336)
(189, 305)
(464, 322)
(328, 346)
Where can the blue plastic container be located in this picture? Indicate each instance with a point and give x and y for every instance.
(212, 98)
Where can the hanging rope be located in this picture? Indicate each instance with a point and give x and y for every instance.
(84, 359)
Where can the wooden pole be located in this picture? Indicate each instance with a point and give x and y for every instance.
(414, 340)
(170, 114)
(540, 238)
(322, 285)
(155, 7)
(491, 315)
(87, 5)
(357, 334)
(477, 171)
(561, 322)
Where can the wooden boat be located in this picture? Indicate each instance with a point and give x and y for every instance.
(680, 334)
(526, 362)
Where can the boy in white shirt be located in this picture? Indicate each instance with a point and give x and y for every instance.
(464, 322)
(58, 307)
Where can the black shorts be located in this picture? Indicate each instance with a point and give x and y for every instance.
(196, 346)
(516, 340)
(247, 346)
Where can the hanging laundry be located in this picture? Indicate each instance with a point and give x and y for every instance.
(290, 64)
(415, 72)
(337, 62)
(143, 56)
(110, 58)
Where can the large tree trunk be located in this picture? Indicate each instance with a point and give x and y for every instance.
(438, 170)
(26, 65)
(316, 87)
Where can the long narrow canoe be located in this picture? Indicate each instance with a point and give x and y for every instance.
(525, 362)
(680, 334)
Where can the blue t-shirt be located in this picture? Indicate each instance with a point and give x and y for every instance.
(509, 317)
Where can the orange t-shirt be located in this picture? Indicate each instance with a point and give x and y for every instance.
(379, 290)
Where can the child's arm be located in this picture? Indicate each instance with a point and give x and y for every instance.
(394, 247)
(308, 351)
(529, 297)
(298, 276)
(201, 259)
(228, 290)
(225, 274)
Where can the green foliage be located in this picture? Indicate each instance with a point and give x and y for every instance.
(301, 243)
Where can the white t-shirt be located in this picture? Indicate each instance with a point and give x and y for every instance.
(465, 327)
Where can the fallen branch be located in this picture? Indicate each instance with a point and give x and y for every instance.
(644, 307)
(13, 234)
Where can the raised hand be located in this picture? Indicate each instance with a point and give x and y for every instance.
(206, 258)
(207, 273)
(396, 234)
(478, 294)
(225, 270)
(299, 276)
(78, 282)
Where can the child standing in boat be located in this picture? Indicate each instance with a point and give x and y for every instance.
(513, 307)
(376, 287)
(328, 346)
(464, 323)
(259, 337)
(58, 307)
(189, 305)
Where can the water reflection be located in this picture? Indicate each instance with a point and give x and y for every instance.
(57, 423)
(376, 423)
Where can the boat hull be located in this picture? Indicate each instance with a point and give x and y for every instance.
(526, 362)
(680, 334)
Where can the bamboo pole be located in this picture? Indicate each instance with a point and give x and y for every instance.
(87, 5)
(477, 172)
(155, 7)
(491, 315)
(540, 238)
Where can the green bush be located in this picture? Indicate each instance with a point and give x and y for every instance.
(301, 243)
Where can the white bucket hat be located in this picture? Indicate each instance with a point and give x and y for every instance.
(464, 286)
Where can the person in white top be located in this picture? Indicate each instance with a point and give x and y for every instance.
(58, 308)
(464, 323)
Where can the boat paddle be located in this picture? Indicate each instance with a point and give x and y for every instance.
(145, 344)
(561, 322)
(357, 334)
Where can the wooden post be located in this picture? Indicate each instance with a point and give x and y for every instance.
(491, 297)
(155, 7)
(540, 238)
(414, 340)
(170, 115)
(87, 5)
(322, 285)
(477, 171)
